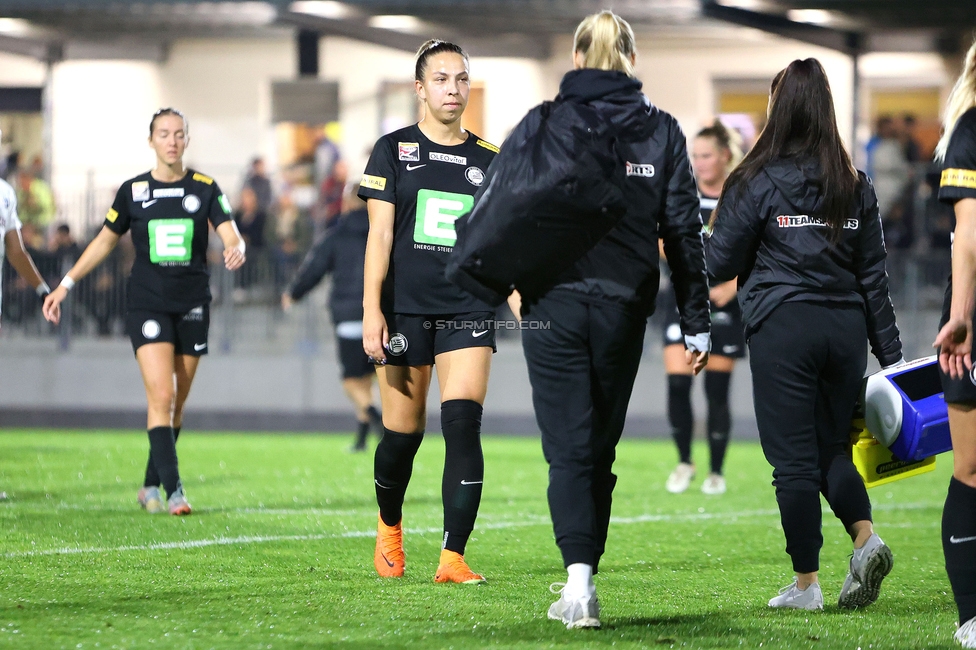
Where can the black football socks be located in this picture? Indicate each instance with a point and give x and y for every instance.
(464, 470)
(162, 449)
(959, 546)
(719, 417)
(392, 467)
(152, 476)
(362, 430)
(679, 414)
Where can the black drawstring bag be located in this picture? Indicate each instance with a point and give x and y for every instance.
(549, 196)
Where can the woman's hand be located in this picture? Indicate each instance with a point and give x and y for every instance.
(52, 304)
(234, 257)
(723, 294)
(376, 335)
(955, 343)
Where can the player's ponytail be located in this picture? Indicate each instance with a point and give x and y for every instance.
(606, 42)
(961, 99)
(429, 49)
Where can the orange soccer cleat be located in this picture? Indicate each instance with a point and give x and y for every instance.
(453, 568)
(388, 558)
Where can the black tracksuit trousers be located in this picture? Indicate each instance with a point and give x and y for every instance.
(808, 361)
(582, 370)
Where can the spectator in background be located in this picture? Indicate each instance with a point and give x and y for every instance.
(913, 151)
(36, 204)
(891, 175)
(251, 220)
(328, 206)
(64, 248)
(257, 180)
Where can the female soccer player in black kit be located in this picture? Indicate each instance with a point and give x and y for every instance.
(168, 211)
(800, 229)
(957, 152)
(584, 354)
(418, 181)
(712, 160)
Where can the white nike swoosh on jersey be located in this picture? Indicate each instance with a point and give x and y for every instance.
(410, 168)
(960, 540)
(477, 334)
(146, 204)
(199, 346)
(471, 482)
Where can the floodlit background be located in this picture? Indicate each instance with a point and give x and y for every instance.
(308, 86)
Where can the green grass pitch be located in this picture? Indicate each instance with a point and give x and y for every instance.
(278, 553)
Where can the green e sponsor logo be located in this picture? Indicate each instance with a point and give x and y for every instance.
(436, 214)
(170, 240)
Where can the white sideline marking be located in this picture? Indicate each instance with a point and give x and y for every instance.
(533, 521)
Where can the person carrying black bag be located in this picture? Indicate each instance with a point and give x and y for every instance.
(800, 228)
(583, 337)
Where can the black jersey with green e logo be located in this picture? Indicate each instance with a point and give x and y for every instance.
(431, 186)
(169, 223)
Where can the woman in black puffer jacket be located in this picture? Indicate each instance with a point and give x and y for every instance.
(800, 228)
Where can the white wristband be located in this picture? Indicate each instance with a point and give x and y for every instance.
(42, 289)
(67, 283)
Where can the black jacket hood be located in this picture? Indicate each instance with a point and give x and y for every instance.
(615, 95)
(798, 181)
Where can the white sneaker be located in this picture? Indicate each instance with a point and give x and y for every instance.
(575, 613)
(792, 597)
(714, 484)
(869, 566)
(680, 478)
(966, 634)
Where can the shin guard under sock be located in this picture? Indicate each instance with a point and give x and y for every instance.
(959, 546)
(162, 450)
(392, 467)
(152, 477)
(719, 416)
(679, 414)
(464, 470)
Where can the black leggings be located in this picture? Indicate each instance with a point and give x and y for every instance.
(808, 362)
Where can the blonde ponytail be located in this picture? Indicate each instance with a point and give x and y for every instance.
(961, 99)
(606, 42)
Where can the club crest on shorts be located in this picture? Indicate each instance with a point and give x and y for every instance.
(475, 176)
(151, 329)
(191, 203)
(398, 345)
(972, 376)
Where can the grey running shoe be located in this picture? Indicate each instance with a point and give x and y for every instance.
(150, 500)
(576, 613)
(869, 566)
(177, 503)
(966, 634)
(792, 597)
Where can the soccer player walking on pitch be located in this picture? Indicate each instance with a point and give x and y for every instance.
(799, 227)
(12, 244)
(168, 211)
(418, 181)
(957, 152)
(711, 159)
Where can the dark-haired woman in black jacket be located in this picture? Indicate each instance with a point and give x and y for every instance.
(800, 228)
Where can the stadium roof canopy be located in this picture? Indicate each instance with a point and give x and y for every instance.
(59, 29)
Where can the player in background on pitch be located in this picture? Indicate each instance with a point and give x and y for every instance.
(168, 210)
(13, 246)
(957, 153)
(418, 181)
